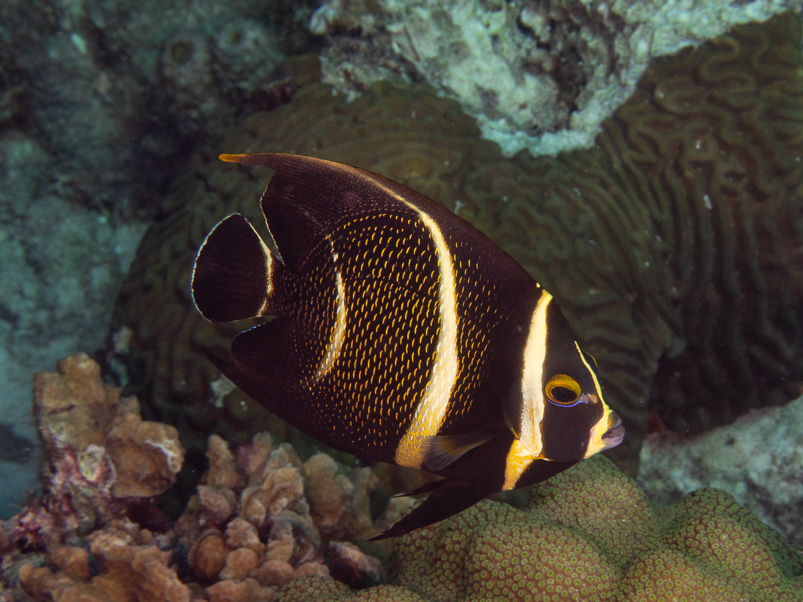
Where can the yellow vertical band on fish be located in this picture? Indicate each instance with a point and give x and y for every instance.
(595, 440)
(532, 385)
(518, 459)
(338, 333)
(528, 446)
(431, 410)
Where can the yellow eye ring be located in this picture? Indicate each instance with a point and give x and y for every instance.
(562, 390)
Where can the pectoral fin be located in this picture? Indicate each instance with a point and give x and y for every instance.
(442, 450)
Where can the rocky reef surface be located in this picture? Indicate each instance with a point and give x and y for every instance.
(758, 460)
(536, 75)
(265, 525)
(100, 101)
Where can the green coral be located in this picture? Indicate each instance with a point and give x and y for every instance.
(587, 534)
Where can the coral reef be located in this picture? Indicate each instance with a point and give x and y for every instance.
(259, 519)
(536, 75)
(264, 525)
(758, 460)
(672, 246)
(586, 534)
(98, 454)
(91, 132)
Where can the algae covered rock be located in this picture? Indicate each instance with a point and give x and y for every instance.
(587, 534)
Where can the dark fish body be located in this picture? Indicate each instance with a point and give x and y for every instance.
(402, 335)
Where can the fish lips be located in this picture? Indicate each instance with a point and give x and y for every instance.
(615, 433)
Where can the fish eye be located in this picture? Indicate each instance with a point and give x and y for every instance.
(562, 390)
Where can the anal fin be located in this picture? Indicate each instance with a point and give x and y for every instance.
(262, 367)
(448, 497)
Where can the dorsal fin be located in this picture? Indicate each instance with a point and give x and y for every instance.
(333, 194)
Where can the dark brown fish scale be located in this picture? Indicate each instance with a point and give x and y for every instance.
(697, 308)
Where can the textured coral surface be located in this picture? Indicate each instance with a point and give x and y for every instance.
(98, 454)
(673, 246)
(537, 75)
(587, 534)
(260, 518)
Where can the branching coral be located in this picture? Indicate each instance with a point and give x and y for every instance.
(98, 454)
(259, 517)
(587, 534)
(673, 246)
(249, 530)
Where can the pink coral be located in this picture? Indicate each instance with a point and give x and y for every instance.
(258, 518)
(98, 454)
(249, 530)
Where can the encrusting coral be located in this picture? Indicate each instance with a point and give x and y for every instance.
(673, 246)
(587, 534)
(260, 518)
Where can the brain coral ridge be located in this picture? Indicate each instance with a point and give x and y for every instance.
(673, 246)
(588, 534)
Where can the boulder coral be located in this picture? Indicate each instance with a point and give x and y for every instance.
(587, 534)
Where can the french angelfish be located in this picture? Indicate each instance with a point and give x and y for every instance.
(402, 335)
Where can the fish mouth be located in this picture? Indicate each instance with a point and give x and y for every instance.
(615, 433)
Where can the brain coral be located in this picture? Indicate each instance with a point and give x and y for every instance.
(587, 534)
(673, 246)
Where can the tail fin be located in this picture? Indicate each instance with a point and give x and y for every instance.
(229, 286)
